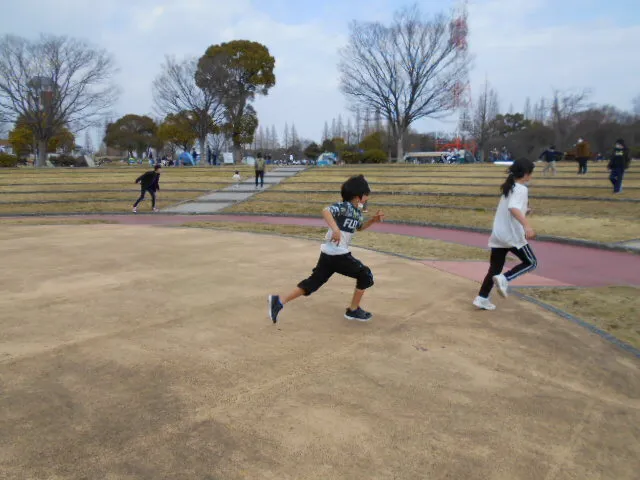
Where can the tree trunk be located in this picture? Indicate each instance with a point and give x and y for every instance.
(42, 153)
(203, 154)
(400, 148)
(237, 153)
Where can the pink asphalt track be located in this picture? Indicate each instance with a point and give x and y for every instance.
(559, 264)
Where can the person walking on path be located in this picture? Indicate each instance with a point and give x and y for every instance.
(344, 219)
(510, 233)
(550, 156)
(582, 155)
(618, 163)
(260, 166)
(149, 182)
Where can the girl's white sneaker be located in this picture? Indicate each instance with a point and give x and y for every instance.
(483, 303)
(501, 283)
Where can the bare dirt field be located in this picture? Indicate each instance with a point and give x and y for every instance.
(146, 353)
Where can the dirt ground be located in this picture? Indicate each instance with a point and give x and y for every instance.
(146, 353)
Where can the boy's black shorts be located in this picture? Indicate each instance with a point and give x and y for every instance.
(346, 265)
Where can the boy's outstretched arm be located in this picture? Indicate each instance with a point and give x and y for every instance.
(377, 218)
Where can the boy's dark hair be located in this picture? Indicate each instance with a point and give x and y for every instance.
(518, 169)
(356, 186)
(157, 167)
(259, 155)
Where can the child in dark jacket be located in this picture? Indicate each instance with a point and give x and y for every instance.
(149, 182)
(618, 163)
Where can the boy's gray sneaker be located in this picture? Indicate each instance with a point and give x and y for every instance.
(275, 305)
(358, 315)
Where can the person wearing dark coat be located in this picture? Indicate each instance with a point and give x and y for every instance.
(618, 163)
(149, 182)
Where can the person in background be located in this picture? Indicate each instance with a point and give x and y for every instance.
(618, 163)
(582, 155)
(550, 156)
(149, 182)
(260, 166)
(236, 179)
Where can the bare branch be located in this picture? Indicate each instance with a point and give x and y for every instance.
(407, 71)
(175, 91)
(54, 82)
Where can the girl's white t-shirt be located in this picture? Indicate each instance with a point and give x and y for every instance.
(507, 231)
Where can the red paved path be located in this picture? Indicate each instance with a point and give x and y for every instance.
(558, 264)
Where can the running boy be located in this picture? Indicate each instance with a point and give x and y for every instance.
(149, 182)
(343, 218)
(511, 230)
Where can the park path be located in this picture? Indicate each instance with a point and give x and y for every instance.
(559, 264)
(221, 199)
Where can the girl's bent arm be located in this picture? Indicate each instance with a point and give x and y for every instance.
(517, 213)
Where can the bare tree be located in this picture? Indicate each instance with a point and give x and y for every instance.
(52, 83)
(540, 111)
(275, 143)
(358, 125)
(636, 106)
(349, 132)
(285, 136)
(325, 132)
(295, 141)
(479, 122)
(340, 127)
(88, 143)
(175, 91)
(409, 70)
(527, 109)
(565, 107)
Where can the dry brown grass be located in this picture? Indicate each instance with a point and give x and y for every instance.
(488, 189)
(595, 229)
(494, 181)
(588, 208)
(80, 207)
(422, 248)
(51, 221)
(167, 196)
(613, 309)
(129, 186)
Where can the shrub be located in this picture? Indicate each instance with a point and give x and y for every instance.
(375, 156)
(8, 161)
(352, 157)
(67, 161)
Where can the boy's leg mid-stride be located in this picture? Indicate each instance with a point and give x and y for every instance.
(346, 265)
(343, 219)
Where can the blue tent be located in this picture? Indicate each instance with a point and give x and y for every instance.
(185, 158)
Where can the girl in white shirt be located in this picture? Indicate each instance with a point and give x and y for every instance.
(510, 233)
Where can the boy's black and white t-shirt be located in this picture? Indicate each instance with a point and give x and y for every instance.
(349, 219)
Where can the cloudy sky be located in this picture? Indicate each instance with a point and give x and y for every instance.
(524, 47)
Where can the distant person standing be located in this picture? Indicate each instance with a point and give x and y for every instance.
(550, 155)
(618, 163)
(149, 182)
(260, 166)
(582, 155)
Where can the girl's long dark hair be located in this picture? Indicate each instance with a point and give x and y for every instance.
(518, 169)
